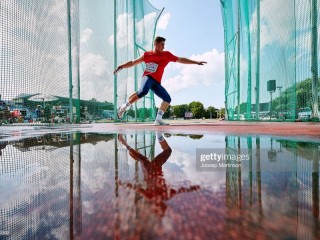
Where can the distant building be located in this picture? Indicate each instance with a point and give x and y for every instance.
(188, 115)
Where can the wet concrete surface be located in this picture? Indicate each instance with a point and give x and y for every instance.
(137, 181)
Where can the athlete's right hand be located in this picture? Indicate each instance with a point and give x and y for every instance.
(118, 69)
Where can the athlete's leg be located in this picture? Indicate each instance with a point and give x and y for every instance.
(146, 84)
(164, 106)
(144, 89)
(162, 93)
(124, 107)
(133, 98)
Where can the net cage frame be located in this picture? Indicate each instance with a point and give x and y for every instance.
(260, 47)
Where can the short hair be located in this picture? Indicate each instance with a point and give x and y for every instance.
(159, 39)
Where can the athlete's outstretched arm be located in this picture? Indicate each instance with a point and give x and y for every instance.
(189, 61)
(129, 64)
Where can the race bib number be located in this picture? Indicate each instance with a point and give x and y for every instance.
(151, 67)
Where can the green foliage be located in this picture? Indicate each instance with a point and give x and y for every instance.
(144, 113)
(130, 112)
(222, 112)
(179, 110)
(292, 98)
(303, 93)
(194, 136)
(197, 109)
(211, 112)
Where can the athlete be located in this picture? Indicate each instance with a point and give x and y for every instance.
(155, 60)
(154, 189)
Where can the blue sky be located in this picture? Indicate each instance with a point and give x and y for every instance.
(193, 29)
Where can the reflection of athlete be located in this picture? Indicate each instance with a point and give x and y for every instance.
(156, 191)
(156, 61)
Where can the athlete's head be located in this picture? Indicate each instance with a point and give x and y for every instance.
(159, 43)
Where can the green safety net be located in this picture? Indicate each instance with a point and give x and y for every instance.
(57, 59)
(135, 29)
(271, 59)
(37, 48)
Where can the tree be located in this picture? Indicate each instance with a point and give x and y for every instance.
(302, 93)
(211, 112)
(179, 110)
(131, 112)
(222, 112)
(197, 109)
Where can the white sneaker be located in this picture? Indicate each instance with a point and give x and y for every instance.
(160, 122)
(121, 111)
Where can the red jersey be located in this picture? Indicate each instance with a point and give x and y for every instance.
(156, 62)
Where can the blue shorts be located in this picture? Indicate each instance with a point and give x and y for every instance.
(148, 83)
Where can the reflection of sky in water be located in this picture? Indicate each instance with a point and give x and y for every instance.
(181, 165)
(113, 193)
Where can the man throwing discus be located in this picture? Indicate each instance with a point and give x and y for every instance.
(156, 60)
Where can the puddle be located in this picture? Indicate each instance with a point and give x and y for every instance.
(149, 186)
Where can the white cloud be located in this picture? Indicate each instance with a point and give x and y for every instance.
(144, 29)
(94, 64)
(279, 28)
(290, 30)
(163, 21)
(94, 73)
(125, 31)
(86, 35)
(275, 27)
(194, 75)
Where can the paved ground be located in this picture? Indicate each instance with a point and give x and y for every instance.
(294, 129)
(206, 126)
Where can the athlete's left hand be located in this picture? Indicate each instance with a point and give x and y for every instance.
(202, 63)
(118, 69)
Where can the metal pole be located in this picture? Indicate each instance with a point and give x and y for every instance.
(71, 215)
(78, 67)
(249, 60)
(314, 59)
(78, 211)
(258, 178)
(238, 73)
(115, 80)
(280, 102)
(270, 105)
(258, 63)
(70, 63)
(226, 67)
(135, 56)
(295, 114)
(249, 142)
